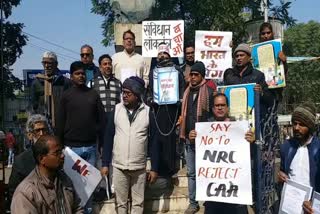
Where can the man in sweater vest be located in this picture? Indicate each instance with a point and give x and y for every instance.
(130, 133)
(107, 86)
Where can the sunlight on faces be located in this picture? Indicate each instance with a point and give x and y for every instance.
(49, 65)
(106, 67)
(78, 77)
(86, 55)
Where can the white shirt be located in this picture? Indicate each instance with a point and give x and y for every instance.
(300, 168)
(129, 63)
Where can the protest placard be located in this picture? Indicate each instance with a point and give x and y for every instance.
(223, 166)
(265, 59)
(156, 32)
(165, 85)
(316, 202)
(292, 197)
(84, 176)
(213, 49)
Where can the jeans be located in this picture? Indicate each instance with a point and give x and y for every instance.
(191, 171)
(88, 153)
(11, 156)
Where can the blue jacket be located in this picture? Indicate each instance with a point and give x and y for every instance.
(288, 151)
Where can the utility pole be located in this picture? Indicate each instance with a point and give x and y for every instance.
(2, 69)
(264, 8)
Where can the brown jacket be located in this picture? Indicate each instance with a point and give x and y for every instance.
(36, 194)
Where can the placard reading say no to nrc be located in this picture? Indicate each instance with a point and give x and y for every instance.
(223, 167)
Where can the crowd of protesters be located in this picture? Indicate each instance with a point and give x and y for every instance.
(106, 118)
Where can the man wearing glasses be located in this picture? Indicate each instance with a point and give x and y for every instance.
(47, 189)
(196, 107)
(130, 134)
(36, 126)
(47, 88)
(127, 62)
(86, 54)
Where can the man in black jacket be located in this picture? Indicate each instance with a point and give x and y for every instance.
(36, 126)
(244, 73)
(166, 115)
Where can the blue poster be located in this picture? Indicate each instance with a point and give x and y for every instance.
(165, 85)
(241, 101)
(265, 58)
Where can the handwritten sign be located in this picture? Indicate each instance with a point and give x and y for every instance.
(156, 32)
(223, 167)
(213, 49)
(165, 85)
(84, 176)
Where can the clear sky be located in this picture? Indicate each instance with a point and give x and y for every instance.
(70, 24)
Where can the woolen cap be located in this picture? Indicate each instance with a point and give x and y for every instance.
(243, 47)
(135, 85)
(199, 67)
(50, 55)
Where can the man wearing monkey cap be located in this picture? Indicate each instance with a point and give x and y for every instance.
(130, 134)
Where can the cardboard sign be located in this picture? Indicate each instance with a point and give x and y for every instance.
(84, 176)
(165, 85)
(156, 32)
(265, 59)
(213, 49)
(223, 165)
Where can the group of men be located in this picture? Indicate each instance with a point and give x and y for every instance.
(100, 113)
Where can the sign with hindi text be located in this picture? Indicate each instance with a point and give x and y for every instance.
(85, 177)
(165, 85)
(213, 49)
(223, 165)
(156, 32)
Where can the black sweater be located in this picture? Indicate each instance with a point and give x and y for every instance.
(81, 117)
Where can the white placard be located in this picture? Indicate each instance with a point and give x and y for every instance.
(292, 197)
(316, 202)
(156, 32)
(84, 176)
(213, 49)
(223, 166)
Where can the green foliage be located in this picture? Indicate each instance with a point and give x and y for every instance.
(198, 15)
(276, 11)
(103, 8)
(13, 41)
(203, 15)
(303, 77)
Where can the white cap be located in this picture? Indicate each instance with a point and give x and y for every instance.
(50, 55)
(163, 48)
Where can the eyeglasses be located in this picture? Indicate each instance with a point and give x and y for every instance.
(127, 93)
(85, 54)
(187, 53)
